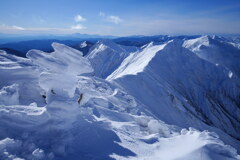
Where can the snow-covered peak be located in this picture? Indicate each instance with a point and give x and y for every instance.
(83, 44)
(107, 44)
(216, 50)
(195, 44)
(106, 56)
(114, 46)
(136, 62)
(96, 49)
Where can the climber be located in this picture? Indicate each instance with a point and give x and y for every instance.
(80, 98)
(53, 91)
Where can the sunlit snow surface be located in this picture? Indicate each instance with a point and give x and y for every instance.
(53, 107)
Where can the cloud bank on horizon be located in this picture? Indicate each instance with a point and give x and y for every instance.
(109, 17)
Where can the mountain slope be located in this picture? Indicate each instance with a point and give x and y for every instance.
(217, 51)
(175, 87)
(105, 56)
(89, 118)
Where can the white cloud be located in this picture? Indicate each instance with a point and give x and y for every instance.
(78, 27)
(110, 18)
(13, 27)
(18, 28)
(79, 18)
(114, 19)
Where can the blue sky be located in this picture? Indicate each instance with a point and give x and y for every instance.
(120, 17)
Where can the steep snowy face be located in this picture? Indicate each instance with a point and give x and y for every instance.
(105, 56)
(216, 50)
(136, 62)
(181, 88)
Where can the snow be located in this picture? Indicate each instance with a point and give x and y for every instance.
(83, 44)
(63, 59)
(189, 144)
(230, 74)
(105, 56)
(22, 73)
(60, 68)
(59, 106)
(216, 50)
(195, 44)
(136, 62)
(9, 95)
(175, 82)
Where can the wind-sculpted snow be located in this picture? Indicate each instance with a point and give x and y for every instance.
(63, 59)
(60, 68)
(21, 73)
(52, 108)
(185, 145)
(9, 95)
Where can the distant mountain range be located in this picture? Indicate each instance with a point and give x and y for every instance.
(19, 45)
(9, 38)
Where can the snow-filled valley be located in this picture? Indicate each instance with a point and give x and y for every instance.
(176, 100)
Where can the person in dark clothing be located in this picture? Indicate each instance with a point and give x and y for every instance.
(80, 98)
(53, 91)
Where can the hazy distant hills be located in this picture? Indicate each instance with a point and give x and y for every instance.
(9, 38)
(19, 45)
(142, 40)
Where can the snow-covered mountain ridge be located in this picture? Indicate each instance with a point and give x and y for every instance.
(176, 74)
(158, 102)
